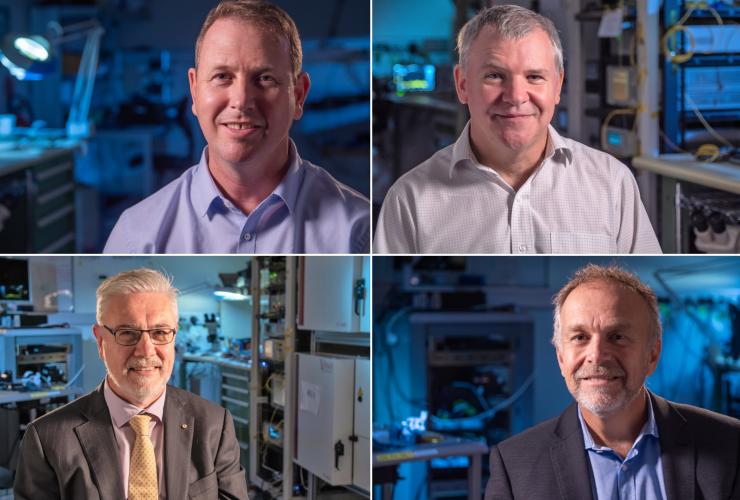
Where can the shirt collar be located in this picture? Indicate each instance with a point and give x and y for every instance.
(650, 428)
(205, 192)
(462, 150)
(121, 411)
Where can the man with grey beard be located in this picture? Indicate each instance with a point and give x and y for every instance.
(618, 440)
(134, 436)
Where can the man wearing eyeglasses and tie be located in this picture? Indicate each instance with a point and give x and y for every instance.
(133, 437)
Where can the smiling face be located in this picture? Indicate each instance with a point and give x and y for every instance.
(511, 88)
(244, 93)
(606, 347)
(139, 373)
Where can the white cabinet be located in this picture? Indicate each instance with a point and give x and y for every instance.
(361, 470)
(334, 294)
(333, 419)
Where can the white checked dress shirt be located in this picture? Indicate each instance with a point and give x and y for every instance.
(578, 201)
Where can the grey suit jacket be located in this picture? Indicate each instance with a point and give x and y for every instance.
(71, 453)
(700, 452)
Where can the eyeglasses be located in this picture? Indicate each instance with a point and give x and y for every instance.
(130, 336)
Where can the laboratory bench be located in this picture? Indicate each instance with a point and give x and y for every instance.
(37, 200)
(386, 457)
(681, 177)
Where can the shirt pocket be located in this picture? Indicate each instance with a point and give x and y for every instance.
(582, 243)
(205, 487)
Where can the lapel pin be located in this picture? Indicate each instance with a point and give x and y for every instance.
(184, 426)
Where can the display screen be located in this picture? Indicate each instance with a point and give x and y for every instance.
(413, 77)
(14, 280)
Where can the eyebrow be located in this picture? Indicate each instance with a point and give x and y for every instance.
(614, 327)
(491, 65)
(136, 327)
(227, 67)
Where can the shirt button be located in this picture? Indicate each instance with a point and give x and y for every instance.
(522, 248)
(623, 467)
(247, 236)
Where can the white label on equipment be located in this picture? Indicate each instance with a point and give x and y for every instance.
(310, 397)
(326, 366)
(611, 24)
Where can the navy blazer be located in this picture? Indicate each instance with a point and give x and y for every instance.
(699, 449)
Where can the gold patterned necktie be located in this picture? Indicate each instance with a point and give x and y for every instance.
(142, 473)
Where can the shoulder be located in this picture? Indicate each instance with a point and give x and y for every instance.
(162, 199)
(434, 172)
(321, 186)
(593, 160)
(530, 442)
(706, 422)
(138, 228)
(63, 419)
(196, 405)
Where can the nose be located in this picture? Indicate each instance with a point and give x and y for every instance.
(597, 350)
(515, 91)
(242, 95)
(145, 348)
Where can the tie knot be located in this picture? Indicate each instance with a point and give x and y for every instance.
(140, 424)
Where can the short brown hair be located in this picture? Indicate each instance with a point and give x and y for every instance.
(609, 274)
(266, 15)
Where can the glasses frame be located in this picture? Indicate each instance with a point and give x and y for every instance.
(141, 332)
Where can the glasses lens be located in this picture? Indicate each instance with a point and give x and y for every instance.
(161, 336)
(127, 337)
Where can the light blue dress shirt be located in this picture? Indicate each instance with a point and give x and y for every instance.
(308, 212)
(638, 477)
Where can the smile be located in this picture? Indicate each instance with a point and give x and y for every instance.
(145, 370)
(599, 379)
(241, 126)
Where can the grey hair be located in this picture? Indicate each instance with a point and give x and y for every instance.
(134, 281)
(608, 274)
(511, 22)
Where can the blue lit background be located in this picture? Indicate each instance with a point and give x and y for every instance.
(146, 134)
(694, 293)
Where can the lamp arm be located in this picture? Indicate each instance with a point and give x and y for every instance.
(77, 123)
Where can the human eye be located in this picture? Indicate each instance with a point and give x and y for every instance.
(221, 77)
(619, 337)
(577, 338)
(535, 78)
(160, 334)
(267, 80)
(127, 335)
(494, 75)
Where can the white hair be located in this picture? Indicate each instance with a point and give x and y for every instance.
(134, 281)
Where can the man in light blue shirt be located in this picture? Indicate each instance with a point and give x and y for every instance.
(618, 441)
(251, 192)
(638, 475)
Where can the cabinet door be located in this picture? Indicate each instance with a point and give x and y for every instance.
(367, 280)
(327, 300)
(324, 418)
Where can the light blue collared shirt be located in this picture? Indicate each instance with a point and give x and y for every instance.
(638, 477)
(308, 212)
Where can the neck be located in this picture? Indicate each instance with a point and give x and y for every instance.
(143, 403)
(515, 166)
(247, 184)
(618, 430)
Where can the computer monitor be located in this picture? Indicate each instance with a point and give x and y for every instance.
(15, 280)
(413, 77)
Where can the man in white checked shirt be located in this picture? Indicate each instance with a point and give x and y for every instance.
(134, 436)
(511, 183)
